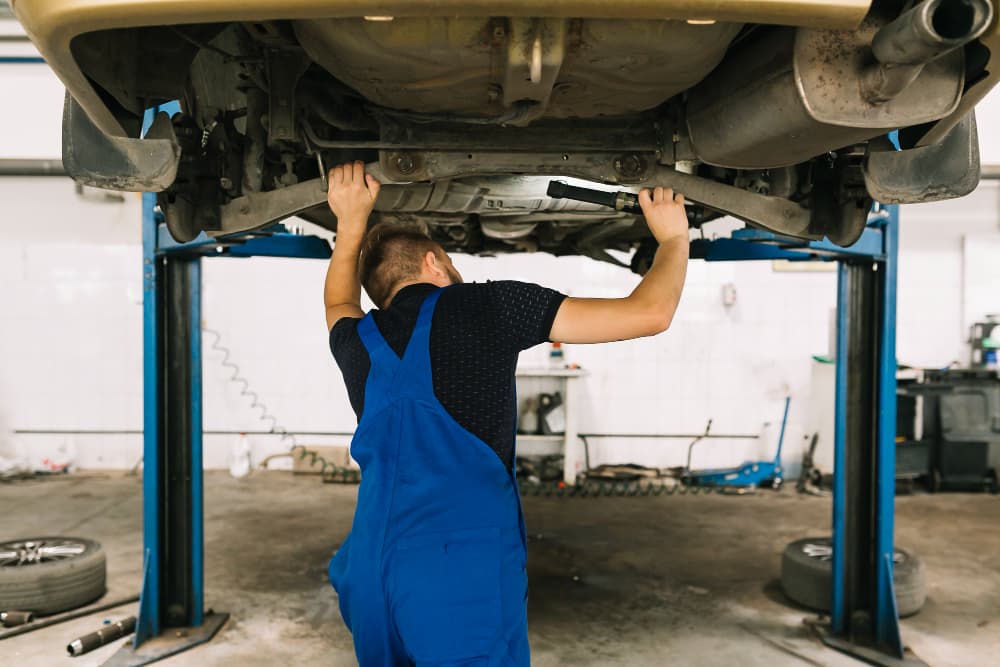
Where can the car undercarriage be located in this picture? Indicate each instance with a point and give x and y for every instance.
(466, 118)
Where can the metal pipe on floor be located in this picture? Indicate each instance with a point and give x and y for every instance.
(11, 619)
(68, 616)
(102, 637)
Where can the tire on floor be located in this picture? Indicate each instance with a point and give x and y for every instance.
(807, 574)
(47, 575)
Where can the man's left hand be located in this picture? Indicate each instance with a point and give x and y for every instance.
(351, 196)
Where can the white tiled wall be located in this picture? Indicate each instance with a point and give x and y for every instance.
(32, 127)
(70, 340)
(933, 319)
(70, 303)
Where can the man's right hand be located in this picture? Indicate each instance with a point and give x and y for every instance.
(650, 308)
(664, 213)
(351, 195)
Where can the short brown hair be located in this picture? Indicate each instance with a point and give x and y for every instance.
(391, 254)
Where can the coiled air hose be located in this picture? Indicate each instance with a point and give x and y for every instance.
(330, 471)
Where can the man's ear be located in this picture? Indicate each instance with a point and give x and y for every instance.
(432, 264)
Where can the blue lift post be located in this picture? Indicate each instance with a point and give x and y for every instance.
(864, 618)
(864, 621)
(171, 615)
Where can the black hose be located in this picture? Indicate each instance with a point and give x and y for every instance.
(330, 471)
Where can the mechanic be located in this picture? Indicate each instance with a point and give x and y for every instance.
(433, 571)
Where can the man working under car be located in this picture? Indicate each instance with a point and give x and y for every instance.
(433, 571)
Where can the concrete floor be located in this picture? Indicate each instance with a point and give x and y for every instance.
(614, 581)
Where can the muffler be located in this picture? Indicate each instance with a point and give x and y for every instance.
(792, 94)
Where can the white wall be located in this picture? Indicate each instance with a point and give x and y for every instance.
(932, 316)
(31, 127)
(70, 347)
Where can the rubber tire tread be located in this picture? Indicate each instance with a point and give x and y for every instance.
(808, 581)
(49, 588)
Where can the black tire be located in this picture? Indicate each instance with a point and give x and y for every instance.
(807, 579)
(71, 573)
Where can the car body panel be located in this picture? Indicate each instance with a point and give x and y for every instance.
(763, 110)
(593, 66)
(53, 24)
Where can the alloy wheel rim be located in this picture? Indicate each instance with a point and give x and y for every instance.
(37, 552)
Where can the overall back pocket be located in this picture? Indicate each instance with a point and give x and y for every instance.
(444, 594)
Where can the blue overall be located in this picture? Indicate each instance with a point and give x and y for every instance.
(433, 571)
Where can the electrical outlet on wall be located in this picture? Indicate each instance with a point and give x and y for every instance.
(729, 295)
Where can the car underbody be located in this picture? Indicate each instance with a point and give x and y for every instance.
(465, 118)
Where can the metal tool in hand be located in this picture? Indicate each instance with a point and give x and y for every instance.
(620, 201)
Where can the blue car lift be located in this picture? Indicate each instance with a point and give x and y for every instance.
(863, 622)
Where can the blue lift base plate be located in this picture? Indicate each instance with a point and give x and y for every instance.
(868, 654)
(170, 642)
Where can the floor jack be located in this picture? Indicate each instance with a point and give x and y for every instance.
(747, 474)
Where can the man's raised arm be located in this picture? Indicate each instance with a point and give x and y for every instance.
(650, 308)
(351, 196)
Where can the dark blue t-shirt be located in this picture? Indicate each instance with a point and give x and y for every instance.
(476, 335)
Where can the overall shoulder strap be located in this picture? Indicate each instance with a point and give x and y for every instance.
(417, 358)
(379, 353)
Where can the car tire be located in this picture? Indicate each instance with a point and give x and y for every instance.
(51, 574)
(806, 578)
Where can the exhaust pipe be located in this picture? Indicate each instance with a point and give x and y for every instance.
(918, 36)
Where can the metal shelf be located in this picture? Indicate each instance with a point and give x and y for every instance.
(540, 445)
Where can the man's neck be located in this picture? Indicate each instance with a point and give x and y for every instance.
(409, 283)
